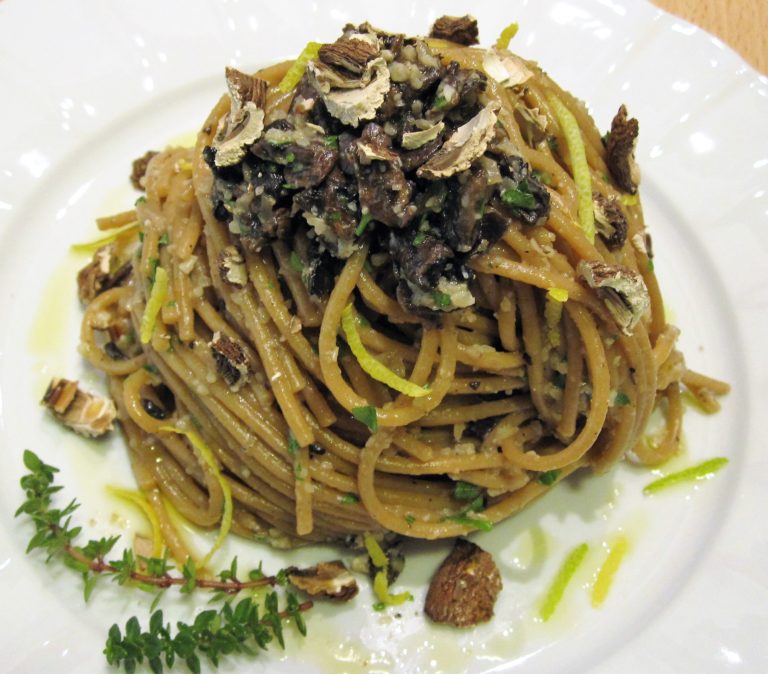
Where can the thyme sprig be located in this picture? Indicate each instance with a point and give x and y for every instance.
(214, 633)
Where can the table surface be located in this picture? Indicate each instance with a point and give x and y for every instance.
(741, 24)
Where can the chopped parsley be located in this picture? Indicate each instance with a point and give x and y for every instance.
(367, 416)
(164, 239)
(290, 157)
(465, 491)
(419, 238)
(519, 197)
(440, 102)
(154, 263)
(542, 176)
(296, 264)
(293, 445)
(441, 299)
(621, 399)
(331, 141)
(549, 477)
(349, 499)
(483, 525)
(140, 200)
(409, 519)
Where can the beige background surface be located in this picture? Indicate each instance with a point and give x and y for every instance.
(742, 24)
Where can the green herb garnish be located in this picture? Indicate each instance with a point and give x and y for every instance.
(331, 141)
(164, 240)
(558, 379)
(441, 299)
(419, 238)
(409, 519)
(367, 415)
(154, 263)
(549, 477)
(349, 499)
(290, 157)
(296, 264)
(213, 633)
(293, 444)
(440, 102)
(621, 399)
(520, 197)
(466, 491)
(542, 176)
(141, 200)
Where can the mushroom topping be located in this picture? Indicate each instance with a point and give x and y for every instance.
(458, 29)
(103, 272)
(609, 220)
(244, 124)
(326, 580)
(463, 591)
(506, 68)
(351, 105)
(231, 361)
(83, 412)
(139, 169)
(232, 267)
(623, 291)
(469, 142)
(350, 54)
(620, 151)
(415, 139)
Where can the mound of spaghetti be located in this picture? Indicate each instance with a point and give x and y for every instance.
(400, 284)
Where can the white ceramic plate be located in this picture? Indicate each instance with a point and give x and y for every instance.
(88, 86)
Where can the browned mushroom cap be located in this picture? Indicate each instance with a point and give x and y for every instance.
(620, 151)
(139, 169)
(459, 29)
(246, 88)
(349, 54)
(231, 361)
(84, 413)
(326, 580)
(463, 591)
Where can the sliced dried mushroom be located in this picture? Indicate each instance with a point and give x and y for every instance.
(83, 412)
(103, 272)
(326, 580)
(244, 124)
(506, 68)
(415, 139)
(468, 143)
(139, 169)
(623, 291)
(231, 361)
(458, 29)
(244, 88)
(352, 99)
(463, 591)
(609, 220)
(620, 151)
(349, 54)
(232, 267)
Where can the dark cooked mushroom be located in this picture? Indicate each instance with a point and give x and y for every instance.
(609, 220)
(231, 361)
(463, 591)
(459, 90)
(521, 194)
(459, 29)
(139, 169)
(620, 151)
(326, 580)
(85, 413)
(467, 195)
(419, 259)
